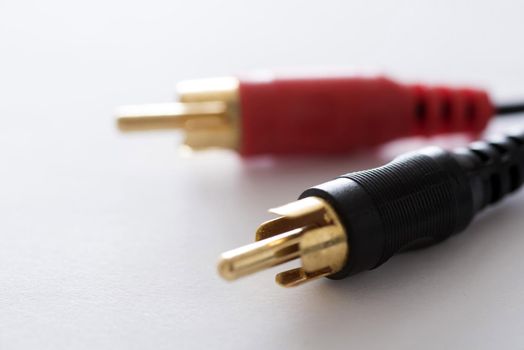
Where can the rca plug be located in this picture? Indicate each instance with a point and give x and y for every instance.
(358, 221)
(283, 115)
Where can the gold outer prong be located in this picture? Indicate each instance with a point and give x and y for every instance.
(308, 229)
(298, 276)
(208, 113)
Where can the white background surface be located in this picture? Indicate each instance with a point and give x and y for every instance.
(109, 241)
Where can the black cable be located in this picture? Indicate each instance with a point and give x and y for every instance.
(510, 108)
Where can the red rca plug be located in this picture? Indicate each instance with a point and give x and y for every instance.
(311, 114)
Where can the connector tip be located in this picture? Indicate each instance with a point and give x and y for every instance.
(167, 115)
(309, 229)
(225, 269)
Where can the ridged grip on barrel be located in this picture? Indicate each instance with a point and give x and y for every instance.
(417, 199)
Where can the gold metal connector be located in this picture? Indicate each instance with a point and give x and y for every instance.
(308, 229)
(208, 112)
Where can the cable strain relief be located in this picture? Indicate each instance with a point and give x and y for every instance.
(495, 167)
(440, 109)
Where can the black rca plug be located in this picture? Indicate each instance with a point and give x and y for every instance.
(358, 221)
